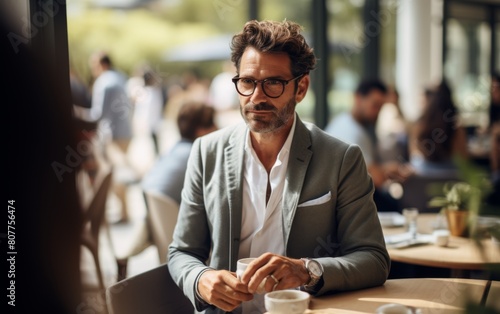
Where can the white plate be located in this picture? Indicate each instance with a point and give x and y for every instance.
(404, 240)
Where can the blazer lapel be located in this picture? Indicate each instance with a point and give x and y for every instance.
(300, 156)
(234, 158)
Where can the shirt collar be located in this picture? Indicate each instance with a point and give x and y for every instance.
(284, 149)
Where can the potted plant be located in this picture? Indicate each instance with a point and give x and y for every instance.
(454, 205)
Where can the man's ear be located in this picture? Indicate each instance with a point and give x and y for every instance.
(302, 88)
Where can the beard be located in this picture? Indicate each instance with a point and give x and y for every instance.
(269, 123)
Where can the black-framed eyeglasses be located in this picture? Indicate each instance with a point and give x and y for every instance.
(272, 87)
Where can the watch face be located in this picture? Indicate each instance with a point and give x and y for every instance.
(315, 268)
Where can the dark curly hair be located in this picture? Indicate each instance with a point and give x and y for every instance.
(271, 36)
(440, 114)
(192, 116)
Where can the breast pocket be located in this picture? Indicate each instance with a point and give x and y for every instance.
(317, 201)
(313, 228)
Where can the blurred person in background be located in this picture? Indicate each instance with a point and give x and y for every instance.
(81, 102)
(392, 130)
(494, 131)
(146, 93)
(112, 109)
(436, 137)
(188, 87)
(223, 97)
(494, 111)
(358, 127)
(167, 174)
(80, 94)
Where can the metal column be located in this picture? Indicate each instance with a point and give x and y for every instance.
(319, 77)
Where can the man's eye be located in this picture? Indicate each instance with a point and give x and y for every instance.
(272, 82)
(246, 81)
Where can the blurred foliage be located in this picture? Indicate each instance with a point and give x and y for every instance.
(227, 16)
(456, 196)
(144, 34)
(294, 10)
(479, 180)
(131, 37)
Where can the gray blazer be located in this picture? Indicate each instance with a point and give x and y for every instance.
(328, 210)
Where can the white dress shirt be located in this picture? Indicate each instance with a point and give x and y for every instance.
(261, 223)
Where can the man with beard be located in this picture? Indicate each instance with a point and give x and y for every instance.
(358, 127)
(274, 188)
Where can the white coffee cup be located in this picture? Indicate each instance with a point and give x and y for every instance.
(441, 237)
(393, 308)
(241, 266)
(286, 302)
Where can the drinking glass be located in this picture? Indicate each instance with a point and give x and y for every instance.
(411, 215)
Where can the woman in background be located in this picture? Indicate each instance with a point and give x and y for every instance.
(437, 136)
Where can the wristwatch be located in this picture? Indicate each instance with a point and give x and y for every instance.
(315, 270)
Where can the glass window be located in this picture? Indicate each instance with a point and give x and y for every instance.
(388, 22)
(298, 11)
(467, 64)
(346, 36)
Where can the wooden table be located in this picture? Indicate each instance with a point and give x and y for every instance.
(460, 254)
(437, 295)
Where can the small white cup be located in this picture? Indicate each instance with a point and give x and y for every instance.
(286, 302)
(393, 308)
(441, 237)
(241, 266)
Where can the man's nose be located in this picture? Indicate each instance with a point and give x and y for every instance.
(258, 95)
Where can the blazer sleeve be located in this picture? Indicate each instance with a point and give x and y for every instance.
(191, 240)
(362, 259)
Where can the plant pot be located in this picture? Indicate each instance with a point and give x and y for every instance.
(457, 222)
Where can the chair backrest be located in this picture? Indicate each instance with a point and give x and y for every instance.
(162, 217)
(97, 207)
(152, 292)
(419, 189)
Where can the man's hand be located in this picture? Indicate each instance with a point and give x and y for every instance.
(279, 273)
(222, 289)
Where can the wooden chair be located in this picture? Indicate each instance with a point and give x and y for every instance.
(152, 292)
(162, 217)
(93, 220)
